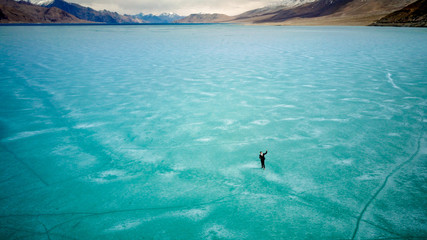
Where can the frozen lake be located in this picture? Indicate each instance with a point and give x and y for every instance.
(153, 132)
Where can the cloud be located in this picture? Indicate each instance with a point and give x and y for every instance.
(183, 7)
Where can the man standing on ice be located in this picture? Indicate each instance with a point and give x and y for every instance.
(262, 158)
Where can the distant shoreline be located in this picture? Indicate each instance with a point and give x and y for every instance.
(194, 24)
(107, 24)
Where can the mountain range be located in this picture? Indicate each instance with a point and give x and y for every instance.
(320, 12)
(206, 18)
(90, 14)
(286, 12)
(24, 12)
(162, 18)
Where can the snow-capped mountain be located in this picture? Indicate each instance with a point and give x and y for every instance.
(291, 3)
(162, 18)
(90, 14)
(274, 7)
(40, 2)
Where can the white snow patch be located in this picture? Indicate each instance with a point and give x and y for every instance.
(205, 139)
(369, 176)
(88, 125)
(236, 170)
(273, 177)
(109, 175)
(356, 100)
(168, 175)
(209, 94)
(28, 134)
(292, 119)
(216, 231)
(178, 167)
(329, 120)
(261, 122)
(283, 106)
(344, 162)
(195, 214)
(228, 121)
(128, 224)
(40, 2)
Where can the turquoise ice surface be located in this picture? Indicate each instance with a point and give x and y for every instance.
(153, 132)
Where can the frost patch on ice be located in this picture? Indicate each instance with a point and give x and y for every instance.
(205, 139)
(329, 120)
(296, 137)
(284, 106)
(245, 104)
(326, 146)
(141, 155)
(208, 94)
(236, 170)
(275, 138)
(344, 162)
(356, 100)
(125, 225)
(216, 231)
(168, 175)
(270, 98)
(248, 165)
(261, 122)
(265, 198)
(292, 119)
(226, 124)
(109, 175)
(369, 176)
(228, 121)
(88, 125)
(82, 159)
(178, 167)
(28, 134)
(417, 98)
(195, 214)
(298, 183)
(273, 177)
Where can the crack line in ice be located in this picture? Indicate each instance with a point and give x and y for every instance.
(91, 214)
(25, 165)
(8, 179)
(32, 233)
(87, 214)
(303, 201)
(384, 229)
(218, 200)
(47, 232)
(396, 169)
(80, 137)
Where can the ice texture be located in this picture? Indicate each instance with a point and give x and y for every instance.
(154, 131)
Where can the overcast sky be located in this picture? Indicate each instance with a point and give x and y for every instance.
(182, 7)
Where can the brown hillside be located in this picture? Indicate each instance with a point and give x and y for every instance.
(23, 12)
(329, 12)
(413, 15)
(205, 18)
